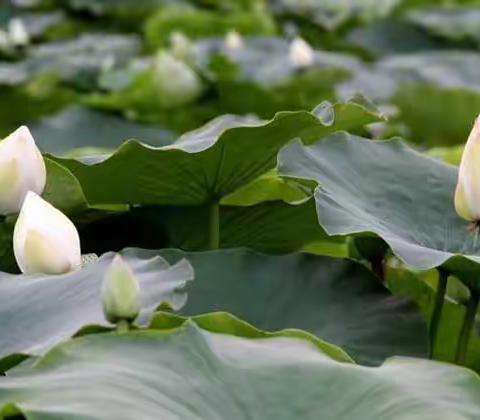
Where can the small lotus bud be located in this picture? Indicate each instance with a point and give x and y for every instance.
(120, 292)
(18, 32)
(22, 169)
(233, 40)
(181, 47)
(301, 54)
(176, 82)
(44, 239)
(467, 192)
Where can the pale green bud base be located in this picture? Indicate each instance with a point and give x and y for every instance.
(123, 326)
(474, 228)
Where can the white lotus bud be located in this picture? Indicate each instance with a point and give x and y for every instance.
(4, 40)
(22, 169)
(233, 40)
(177, 83)
(18, 32)
(120, 292)
(181, 46)
(301, 54)
(44, 239)
(467, 192)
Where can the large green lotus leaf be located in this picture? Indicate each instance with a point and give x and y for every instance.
(303, 90)
(120, 9)
(445, 90)
(189, 373)
(389, 189)
(446, 70)
(330, 14)
(456, 23)
(225, 323)
(338, 300)
(42, 96)
(440, 117)
(392, 36)
(405, 283)
(270, 227)
(77, 60)
(40, 311)
(208, 163)
(198, 23)
(77, 127)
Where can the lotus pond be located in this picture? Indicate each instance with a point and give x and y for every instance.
(239, 209)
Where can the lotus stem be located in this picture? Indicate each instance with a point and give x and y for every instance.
(123, 326)
(437, 308)
(214, 226)
(466, 331)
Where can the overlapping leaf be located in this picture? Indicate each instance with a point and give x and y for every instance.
(209, 163)
(456, 23)
(391, 190)
(337, 300)
(190, 373)
(80, 128)
(77, 60)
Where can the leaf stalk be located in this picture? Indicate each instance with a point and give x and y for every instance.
(437, 309)
(466, 331)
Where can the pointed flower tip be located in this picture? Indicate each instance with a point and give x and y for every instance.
(233, 40)
(22, 133)
(301, 54)
(476, 124)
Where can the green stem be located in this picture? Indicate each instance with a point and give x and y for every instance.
(123, 326)
(468, 322)
(437, 308)
(214, 226)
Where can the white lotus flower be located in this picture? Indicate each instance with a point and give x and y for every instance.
(18, 32)
(44, 239)
(301, 54)
(22, 169)
(467, 192)
(233, 40)
(120, 292)
(177, 83)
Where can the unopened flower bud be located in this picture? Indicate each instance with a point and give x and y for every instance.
(44, 239)
(233, 40)
(120, 293)
(18, 33)
(301, 54)
(22, 169)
